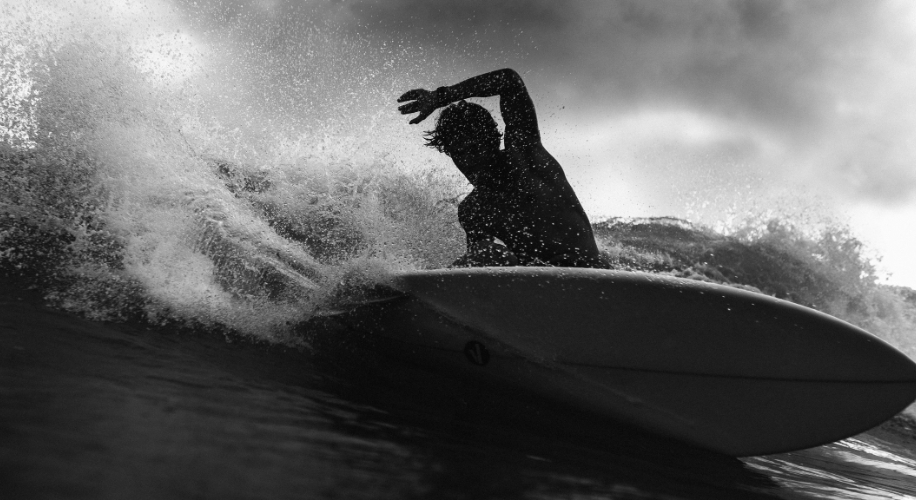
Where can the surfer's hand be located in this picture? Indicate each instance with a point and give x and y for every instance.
(424, 102)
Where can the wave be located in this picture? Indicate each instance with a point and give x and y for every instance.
(822, 266)
(113, 204)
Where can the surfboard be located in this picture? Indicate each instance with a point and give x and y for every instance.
(724, 369)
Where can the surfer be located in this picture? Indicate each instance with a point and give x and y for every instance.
(522, 210)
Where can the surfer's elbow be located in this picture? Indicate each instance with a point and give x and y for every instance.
(511, 79)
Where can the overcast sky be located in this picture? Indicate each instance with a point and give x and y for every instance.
(680, 107)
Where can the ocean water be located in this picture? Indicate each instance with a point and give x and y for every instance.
(170, 229)
(129, 410)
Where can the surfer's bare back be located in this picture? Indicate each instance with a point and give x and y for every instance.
(522, 210)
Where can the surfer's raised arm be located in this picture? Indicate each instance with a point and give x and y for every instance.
(522, 210)
(515, 104)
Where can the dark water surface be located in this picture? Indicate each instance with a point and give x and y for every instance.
(94, 410)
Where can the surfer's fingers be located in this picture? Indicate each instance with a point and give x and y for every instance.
(411, 95)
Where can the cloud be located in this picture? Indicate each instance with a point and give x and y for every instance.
(742, 57)
(826, 84)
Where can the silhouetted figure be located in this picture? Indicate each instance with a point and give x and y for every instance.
(522, 210)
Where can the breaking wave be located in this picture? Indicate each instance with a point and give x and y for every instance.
(123, 200)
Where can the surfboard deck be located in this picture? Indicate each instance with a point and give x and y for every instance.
(720, 368)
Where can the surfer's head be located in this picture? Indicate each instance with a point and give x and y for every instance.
(468, 135)
(463, 128)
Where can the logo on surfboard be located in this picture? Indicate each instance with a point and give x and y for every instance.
(477, 353)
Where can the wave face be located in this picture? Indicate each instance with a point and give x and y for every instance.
(131, 191)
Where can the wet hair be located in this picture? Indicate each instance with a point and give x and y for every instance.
(461, 123)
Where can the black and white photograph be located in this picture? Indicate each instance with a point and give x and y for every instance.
(458, 249)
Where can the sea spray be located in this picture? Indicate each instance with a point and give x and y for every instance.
(122, 199)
